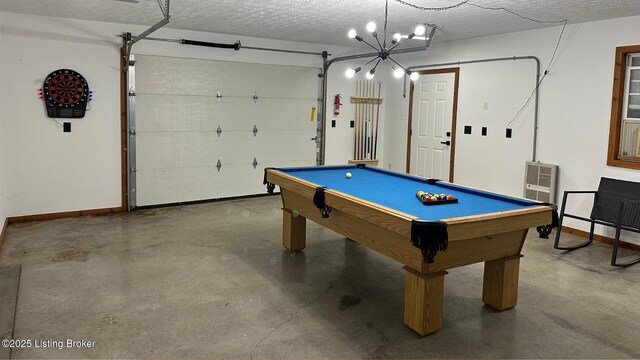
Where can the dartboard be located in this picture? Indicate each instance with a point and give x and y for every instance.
(65, 94)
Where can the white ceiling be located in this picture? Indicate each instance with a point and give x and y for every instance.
(327, 21)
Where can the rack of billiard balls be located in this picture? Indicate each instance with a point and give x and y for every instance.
(435, 199)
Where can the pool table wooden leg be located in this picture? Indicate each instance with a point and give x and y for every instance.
(423, 298)
(500, 287)
(294, 231)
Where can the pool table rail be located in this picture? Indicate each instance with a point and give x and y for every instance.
(459, 228)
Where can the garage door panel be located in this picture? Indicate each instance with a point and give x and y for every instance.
(173, 113)
(298, 146)
(235, 114)
(291, 114)
(159, 150)
(245, 79)
(175, 185)
(235, 147)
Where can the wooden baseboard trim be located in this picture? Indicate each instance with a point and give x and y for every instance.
(601, 238)
(63, 215)
(3, 232)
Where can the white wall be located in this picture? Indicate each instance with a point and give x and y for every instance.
(4, 166)
(51, 171)
(575, 106)
(340, 140)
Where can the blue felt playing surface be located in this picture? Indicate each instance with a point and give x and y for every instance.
(398, 191)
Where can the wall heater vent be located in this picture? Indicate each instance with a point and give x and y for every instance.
(540, 181)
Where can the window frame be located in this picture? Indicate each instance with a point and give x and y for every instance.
(617, 104)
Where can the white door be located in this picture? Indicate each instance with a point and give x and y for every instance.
(432, 116)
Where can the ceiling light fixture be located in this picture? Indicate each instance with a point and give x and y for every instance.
(384, 52)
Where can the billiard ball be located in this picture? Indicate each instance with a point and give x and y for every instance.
(348, 175)
(442, 197)
(450, 197)
(434, 198)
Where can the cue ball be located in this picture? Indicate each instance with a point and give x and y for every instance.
(348, 175)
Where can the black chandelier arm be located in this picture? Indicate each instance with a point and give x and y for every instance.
(373, 69)
(370, 61)
(397, 63)
(400, 42)
(375, 36)
(373, 47)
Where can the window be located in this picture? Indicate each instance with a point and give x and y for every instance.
(624, 134)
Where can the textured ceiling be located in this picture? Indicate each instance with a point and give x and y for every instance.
(327, 21)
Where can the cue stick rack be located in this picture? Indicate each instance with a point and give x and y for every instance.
(367, 117)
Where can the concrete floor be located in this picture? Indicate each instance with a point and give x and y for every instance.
(212, 280)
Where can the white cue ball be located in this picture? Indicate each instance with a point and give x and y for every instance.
(348, 175)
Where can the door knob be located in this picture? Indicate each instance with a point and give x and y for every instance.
(445, 142)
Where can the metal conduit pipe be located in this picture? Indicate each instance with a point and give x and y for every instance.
(512, 58)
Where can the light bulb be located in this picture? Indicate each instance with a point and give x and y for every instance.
(369, 75)
(350, 73)
(414, 76)
(397, 36)
(352, 34)
(420, 30)
(398, 73)
(371, 26)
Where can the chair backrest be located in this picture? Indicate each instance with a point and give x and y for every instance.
(611, 192)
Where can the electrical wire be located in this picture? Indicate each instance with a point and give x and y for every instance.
(515, 13)
(546, 71)
(432, 8)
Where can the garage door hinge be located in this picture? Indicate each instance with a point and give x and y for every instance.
(255, 97)
(219, 95)
(255, 130)
(219, 131)
(255, 163)
(219, 165)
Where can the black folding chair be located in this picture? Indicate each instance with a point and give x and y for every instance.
(616, 204)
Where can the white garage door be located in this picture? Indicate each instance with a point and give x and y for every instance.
(200, 124)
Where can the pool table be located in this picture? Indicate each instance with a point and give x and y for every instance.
(379, 209)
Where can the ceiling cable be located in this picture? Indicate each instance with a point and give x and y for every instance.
(432, 8)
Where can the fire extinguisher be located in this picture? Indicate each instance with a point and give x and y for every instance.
(336, 104)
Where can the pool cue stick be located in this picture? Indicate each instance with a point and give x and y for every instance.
(358, 92)
(375, 142)
(370, 115)
(373, 110)
(366, 118)
(363, 118)
(355, 136)
(355, 130)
